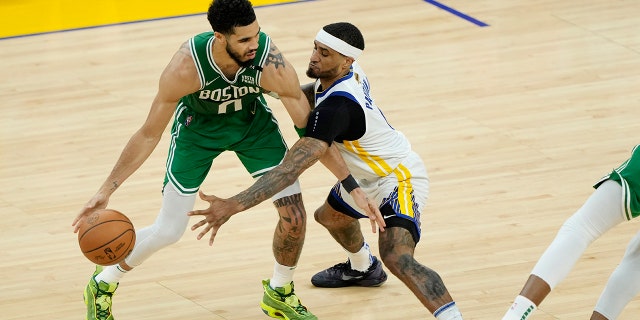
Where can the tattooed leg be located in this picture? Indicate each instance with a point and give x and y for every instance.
(290, 231)
(344, 229)
(396, 250)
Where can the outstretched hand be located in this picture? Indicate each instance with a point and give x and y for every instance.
(219, 212)
(370, 208)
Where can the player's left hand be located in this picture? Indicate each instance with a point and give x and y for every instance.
(219, 212)
(370, 208)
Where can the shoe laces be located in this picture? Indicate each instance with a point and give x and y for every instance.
(345, 267)
(293, 301)
(103, 304)
(342, 266)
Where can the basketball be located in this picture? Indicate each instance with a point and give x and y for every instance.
(106, 237)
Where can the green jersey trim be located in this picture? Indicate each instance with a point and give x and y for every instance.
(196, 61)
(265, 56)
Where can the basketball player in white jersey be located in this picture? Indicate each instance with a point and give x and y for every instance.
(381, 162)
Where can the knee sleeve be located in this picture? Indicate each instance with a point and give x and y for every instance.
(168, 227)
(601, 212)
(624, 283)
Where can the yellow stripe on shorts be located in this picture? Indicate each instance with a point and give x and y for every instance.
(405, 190)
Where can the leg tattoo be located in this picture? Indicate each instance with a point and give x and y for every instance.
(396, 249)
(290, 231)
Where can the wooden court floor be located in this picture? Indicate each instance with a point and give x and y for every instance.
(515, 121)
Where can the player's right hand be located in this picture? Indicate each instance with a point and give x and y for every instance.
(99, 201)
(219, 212)
(370, 208)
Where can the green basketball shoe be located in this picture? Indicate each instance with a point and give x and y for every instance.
(97, 297)
(282, 303)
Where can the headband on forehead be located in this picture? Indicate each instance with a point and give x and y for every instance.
(338, 44)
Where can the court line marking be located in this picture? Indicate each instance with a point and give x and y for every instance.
(457, 13)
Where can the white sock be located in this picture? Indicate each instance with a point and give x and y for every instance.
(111, 274)
(282, 275)
(521, 309)
(448, 311)
(362, 259)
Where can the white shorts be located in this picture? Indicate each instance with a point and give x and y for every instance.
(405, 192)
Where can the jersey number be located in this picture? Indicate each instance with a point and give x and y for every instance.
(237, 106)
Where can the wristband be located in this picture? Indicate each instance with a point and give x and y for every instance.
(349, 183)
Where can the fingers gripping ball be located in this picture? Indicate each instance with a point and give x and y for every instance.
(106, 237)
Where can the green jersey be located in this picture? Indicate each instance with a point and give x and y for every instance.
(219, 95)
(223, 115)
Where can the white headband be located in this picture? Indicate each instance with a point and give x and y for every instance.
(338, 44)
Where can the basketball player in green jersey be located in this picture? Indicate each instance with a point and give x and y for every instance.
(616, 199)
(213, 87)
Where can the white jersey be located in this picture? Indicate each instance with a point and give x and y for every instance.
(382, 148)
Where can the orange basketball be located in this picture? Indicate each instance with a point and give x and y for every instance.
(106, 237)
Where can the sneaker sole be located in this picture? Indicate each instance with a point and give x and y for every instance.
(275, 313)
(348, 284)
(344, 284)
(272, 312)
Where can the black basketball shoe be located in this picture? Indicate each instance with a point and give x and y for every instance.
(341, 275)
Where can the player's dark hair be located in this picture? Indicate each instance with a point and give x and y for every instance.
(225, 15)
(346, 32)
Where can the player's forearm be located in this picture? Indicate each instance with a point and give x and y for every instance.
(264, 188)
(333, 161)
(303, 154)
(297, 108)
(132, 157)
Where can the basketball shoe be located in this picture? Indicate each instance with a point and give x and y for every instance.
(282, 303)
(341, 275)
(97, 297)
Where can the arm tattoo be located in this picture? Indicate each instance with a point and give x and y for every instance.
(114, 185)
(302, 155)
(275, 57)
(185, 49)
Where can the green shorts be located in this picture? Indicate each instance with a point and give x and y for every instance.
(197, 139)
(628, 176)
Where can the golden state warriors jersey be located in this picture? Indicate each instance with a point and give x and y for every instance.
(382, 148)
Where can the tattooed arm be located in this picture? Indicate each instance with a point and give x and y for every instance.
(279, 76)
(302, 155)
